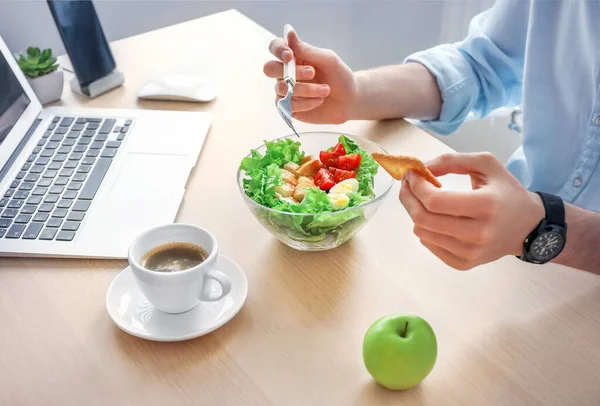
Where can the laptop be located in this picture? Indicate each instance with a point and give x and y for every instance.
(84, 182)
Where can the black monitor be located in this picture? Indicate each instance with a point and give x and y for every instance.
(13, 100)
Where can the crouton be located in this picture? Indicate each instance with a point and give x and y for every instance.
(300, 191)
(289, 177)
(306, 159)
(306, 180)
(285, 190)
(310, 168)
(292, 167)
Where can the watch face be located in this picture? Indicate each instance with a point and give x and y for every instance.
(547, 246)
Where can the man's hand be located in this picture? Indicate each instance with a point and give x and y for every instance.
(469, 228)
(326, 88)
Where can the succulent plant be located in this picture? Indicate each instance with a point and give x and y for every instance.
(36, 63)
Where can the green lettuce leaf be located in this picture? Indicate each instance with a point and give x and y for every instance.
(278, 152)
(316, 201)
(366, 171)
(287, 221)
(283, 151)
(260, 185)
(356, 199)
(254, 161)
(332, 220)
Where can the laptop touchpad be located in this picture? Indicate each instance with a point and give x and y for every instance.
(147, 186)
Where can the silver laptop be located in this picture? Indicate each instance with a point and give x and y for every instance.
(83, 182)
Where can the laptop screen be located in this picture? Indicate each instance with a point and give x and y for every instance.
(13, 100)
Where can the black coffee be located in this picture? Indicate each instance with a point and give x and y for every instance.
(174, 257)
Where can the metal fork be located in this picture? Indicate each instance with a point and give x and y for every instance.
(284, 106)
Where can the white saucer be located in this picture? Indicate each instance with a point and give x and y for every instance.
(132, 313)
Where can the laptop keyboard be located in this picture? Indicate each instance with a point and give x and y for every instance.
(54, 189)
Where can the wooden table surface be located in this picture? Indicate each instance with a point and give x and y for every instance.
(508, 333)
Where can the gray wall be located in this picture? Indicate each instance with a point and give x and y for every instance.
(365, 33)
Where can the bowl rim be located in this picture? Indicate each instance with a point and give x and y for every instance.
(346, 210)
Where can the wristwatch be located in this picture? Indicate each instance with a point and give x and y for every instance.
(548, 239)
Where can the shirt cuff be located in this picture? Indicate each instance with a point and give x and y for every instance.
(457, 82)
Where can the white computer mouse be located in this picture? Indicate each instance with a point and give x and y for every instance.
(179, 87)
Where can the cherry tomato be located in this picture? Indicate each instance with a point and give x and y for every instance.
(349, 162)
(328, 158)
(339, 149)
(340, 175)
(324, 179)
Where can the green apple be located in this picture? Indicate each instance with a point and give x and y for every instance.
(399, 351)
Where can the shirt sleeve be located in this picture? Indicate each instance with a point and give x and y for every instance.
(483, 72)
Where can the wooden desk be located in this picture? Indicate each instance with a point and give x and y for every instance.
(509, 334)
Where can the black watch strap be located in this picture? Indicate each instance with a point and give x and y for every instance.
(555, 208)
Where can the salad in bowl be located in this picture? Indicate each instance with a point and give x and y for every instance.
(315, 193)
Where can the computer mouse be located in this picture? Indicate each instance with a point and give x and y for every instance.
(179, 87)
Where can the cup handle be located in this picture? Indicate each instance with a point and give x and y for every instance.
(221, 279)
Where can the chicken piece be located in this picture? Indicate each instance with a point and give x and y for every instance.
(285, 190)
(289, 177)
(300, 190)
(300, 193)
(292, 167)
(307, 180)
(306, 159)
(310, 168)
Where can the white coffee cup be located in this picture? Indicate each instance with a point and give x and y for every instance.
(177, 292)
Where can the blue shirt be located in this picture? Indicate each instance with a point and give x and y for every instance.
(545, 56)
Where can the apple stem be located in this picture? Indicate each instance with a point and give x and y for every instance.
(403, 335)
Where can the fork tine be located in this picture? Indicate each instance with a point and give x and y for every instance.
(285, 109)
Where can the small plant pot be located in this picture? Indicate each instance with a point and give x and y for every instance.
(48, 88)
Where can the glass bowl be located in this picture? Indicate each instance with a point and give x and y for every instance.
(322, 231)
